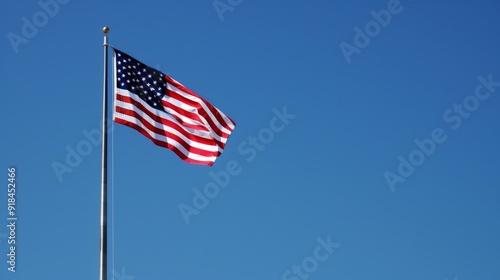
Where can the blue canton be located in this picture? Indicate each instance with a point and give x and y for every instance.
(148, 83)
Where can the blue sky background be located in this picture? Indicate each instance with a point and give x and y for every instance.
(322, 176)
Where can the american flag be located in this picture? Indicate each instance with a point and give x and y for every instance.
(167, 112)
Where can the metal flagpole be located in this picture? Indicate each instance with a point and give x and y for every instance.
(104, 174)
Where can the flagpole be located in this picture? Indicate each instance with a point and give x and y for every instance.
(104, 172)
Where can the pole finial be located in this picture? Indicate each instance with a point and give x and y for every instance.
(105, 30)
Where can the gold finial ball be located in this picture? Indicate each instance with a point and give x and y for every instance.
(105, 30)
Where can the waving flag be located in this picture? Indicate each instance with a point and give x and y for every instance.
(167, 112)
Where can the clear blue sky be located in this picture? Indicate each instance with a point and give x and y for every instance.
(317, 195)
